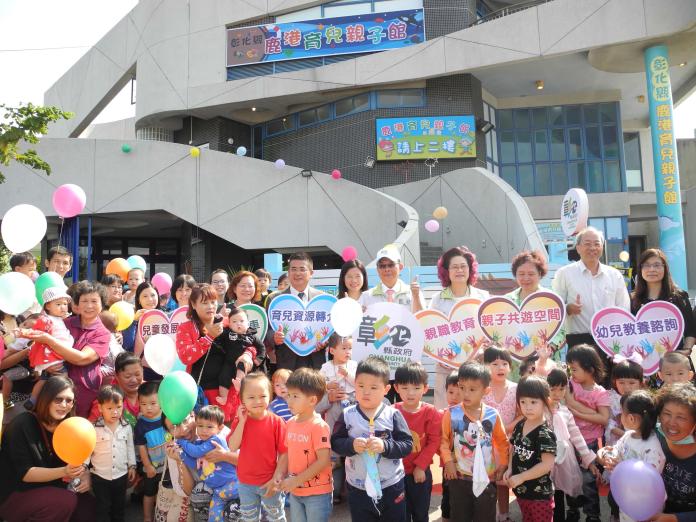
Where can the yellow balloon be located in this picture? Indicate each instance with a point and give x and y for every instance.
(195, 152)
(124, 312)
(440, 213)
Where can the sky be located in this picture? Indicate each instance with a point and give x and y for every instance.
(62, 31)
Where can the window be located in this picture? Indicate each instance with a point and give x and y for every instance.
(358, 103)
(634, 173)
(526, 180)
(315, 115)
(400, 98)
(280, 125)
(524, 147)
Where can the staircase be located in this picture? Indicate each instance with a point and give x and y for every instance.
(429, 254)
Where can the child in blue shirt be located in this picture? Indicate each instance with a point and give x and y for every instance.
(279, 405)
(221, 477)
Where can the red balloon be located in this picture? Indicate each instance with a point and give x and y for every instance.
(349, 253)
(336, 174)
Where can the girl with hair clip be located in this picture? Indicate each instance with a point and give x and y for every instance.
(638, 416)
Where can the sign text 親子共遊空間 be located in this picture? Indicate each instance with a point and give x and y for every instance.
(363, 33)
(423, 137)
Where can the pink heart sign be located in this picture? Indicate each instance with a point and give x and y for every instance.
(656, 329)
(454, 339)
(155, 322)
(522, 330)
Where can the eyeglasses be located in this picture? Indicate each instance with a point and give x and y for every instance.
(64, 400)
(116, 287)
(384, 266)
(656, 266)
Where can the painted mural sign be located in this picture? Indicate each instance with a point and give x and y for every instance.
(304, 325)
(426, 137)
(365, 33)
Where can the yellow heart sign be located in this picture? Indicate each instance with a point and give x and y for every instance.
(522, 330)
(454, 339)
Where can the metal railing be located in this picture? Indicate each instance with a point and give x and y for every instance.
(505, 11)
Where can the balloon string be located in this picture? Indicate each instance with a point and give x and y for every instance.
(60, 234)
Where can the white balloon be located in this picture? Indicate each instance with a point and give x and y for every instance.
(16, 293)
(160, 353)
(346, 315)
(23, 227)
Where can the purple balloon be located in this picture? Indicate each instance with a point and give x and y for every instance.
(432, 225)
(638, 489)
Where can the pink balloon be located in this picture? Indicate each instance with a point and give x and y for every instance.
(432, 225)
(69, 200)
(162, 282)
(349, 253)
(336, 174)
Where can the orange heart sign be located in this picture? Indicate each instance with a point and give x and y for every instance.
(522, 330)
(454, 339)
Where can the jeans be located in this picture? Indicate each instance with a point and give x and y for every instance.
(390, 508)
(310, 508)
(251, 498)
(418, 497)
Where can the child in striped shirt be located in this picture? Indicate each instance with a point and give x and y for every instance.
(279, 405)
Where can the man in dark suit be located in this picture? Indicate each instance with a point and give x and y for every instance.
(300, 272)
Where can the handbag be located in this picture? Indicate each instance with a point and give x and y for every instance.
(169, 506)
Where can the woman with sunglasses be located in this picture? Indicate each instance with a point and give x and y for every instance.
(33, 479)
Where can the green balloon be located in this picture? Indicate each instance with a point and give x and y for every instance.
(177, 395)
(126, 148)
(47, 280)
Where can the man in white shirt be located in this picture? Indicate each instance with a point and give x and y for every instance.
(588, 286)
(300, 272)
(391, 289)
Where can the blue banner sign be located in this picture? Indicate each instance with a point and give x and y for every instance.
(364, 33)
(420, 137)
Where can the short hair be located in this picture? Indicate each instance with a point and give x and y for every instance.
(263, 273)
(124, 359)
(282, 277)
(493, 353)
(54, 385)
(473, 371)
(534, 387)
(133, 270)
(21, 259)
(411, 373)
(281, 373)
(200, 292)
(528, 362)
(77, 290)
(211, 413)
(444, 262)
(219, 271)
(335, 339)
(642, 403)
(375, 366)
(255, 376)
(348, 265)
(536, 257)
(683, 393)
(233, 310)
(182, 280)
(452, 379)
(557, 377)
(308, 381)
(627, 370)
(301, 256)
(236, 280)
(581, 234)
(148, 388)
(58, 251)
(588, 359)
(110, 279)
(109, 320)
(109, 393)
(675, 358)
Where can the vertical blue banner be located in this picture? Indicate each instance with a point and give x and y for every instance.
(669, 209)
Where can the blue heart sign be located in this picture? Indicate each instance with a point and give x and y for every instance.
(303, 325)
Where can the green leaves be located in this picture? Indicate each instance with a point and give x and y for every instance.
(26, 123)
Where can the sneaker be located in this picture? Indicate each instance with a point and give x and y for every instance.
(9, 405)
(572, 516)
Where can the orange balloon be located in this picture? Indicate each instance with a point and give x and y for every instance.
(74, 440)
(120, 267)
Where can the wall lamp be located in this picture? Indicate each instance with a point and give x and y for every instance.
(484, 126)
(306, 173)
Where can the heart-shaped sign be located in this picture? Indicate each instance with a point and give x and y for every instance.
(657, 328)
(455, 339)
(303, 325)
(522, 330)
(258, 320)
(155, 322)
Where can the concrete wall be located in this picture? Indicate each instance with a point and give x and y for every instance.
(686, 152)
(484, 213)
(179, 51)
(245, 201)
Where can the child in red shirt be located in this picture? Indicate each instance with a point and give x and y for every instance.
(263, 459)
(424, 421)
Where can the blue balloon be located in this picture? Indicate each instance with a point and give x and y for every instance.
(241, 151)
(137, 262)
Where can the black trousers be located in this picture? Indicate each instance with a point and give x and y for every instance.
(111, 498)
